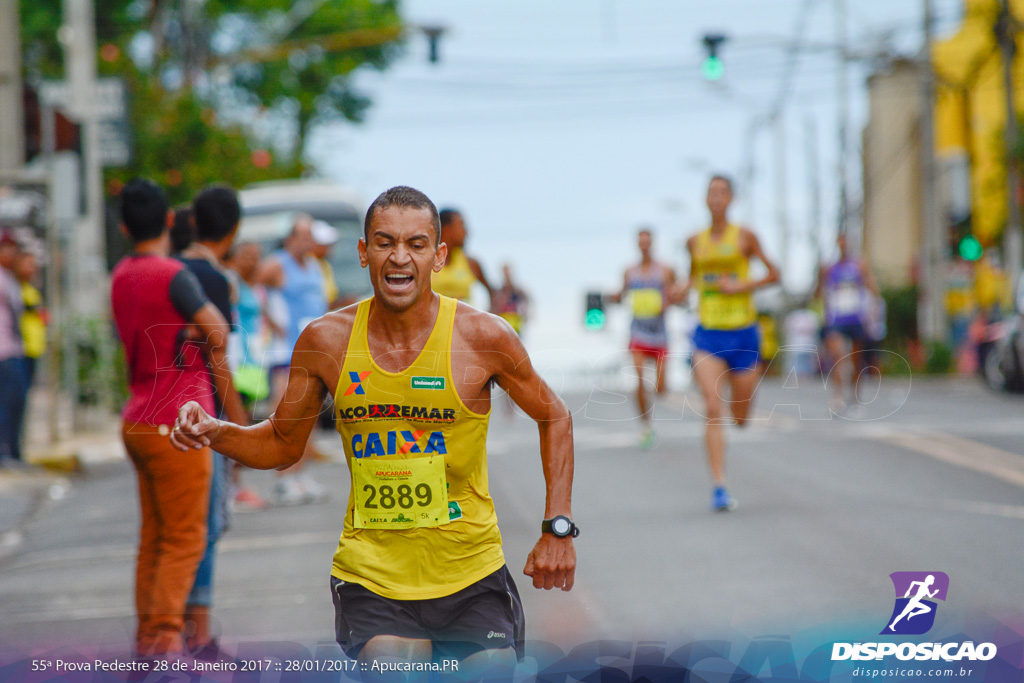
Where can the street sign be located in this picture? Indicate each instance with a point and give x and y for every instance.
(111, 110)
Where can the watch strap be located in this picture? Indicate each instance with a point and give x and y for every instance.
(546, 527)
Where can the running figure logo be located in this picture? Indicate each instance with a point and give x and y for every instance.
(914, 612)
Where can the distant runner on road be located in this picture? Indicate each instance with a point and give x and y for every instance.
(647, 285)
(511, 301)
(848, 289)
(419, 572)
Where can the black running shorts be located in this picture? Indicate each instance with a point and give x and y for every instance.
(486, 615)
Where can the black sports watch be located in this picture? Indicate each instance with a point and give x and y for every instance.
(561, 526)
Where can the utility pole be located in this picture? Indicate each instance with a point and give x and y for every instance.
(88, 243)
(1006, 30)
(89, 295)
(814, 207)
(844, 117)
(749, 171)
(12, 118)
(931, 312)
(781, 205)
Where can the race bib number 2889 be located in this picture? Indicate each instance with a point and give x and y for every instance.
(399, 494)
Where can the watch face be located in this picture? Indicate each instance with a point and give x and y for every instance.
(560, 526)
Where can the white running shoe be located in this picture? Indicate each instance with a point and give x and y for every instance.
(313, 491)
(288, 490)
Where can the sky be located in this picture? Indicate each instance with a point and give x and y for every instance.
(559, 127)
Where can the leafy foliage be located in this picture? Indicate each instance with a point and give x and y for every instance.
(200, 74)
(180, 144)
(901, 315)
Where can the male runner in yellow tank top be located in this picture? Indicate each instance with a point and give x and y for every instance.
(725, 343)
(419, 571)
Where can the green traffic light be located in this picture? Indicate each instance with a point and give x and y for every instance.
(970, 248)
(712, 68)
(595, 319)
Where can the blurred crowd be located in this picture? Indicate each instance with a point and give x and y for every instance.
(23, 320)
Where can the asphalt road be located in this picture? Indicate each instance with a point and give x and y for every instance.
(928, 476)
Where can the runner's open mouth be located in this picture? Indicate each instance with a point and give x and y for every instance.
(398, 279)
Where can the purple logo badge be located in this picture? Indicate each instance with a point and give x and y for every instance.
(914, 611)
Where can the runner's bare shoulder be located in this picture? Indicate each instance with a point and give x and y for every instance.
(482, 331)
(329, 333)
(748, 233)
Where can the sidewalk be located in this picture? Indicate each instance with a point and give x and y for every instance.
(24, 492)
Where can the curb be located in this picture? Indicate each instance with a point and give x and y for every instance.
(79, 453)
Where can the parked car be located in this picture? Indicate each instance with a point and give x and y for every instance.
(1002, 351)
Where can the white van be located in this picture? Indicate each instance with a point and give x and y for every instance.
(268, 211)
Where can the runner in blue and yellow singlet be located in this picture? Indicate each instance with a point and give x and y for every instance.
(419, 572)
(647, 286)
(725, 343)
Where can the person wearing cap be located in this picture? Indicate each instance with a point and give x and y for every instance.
(324, 237)
(12, 354)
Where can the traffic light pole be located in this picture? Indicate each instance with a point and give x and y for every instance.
(1006, 29)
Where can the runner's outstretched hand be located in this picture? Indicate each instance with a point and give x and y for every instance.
(552, 563)
(194, 427)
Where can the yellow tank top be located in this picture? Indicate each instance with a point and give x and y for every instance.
(713, 262)
(455, 279)
(411, 443)
(33, 328)
(330, 284)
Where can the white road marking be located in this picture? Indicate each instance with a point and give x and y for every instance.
(991, 509)
(995, 462)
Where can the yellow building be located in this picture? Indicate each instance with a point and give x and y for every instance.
(970, 117)
(970, 109)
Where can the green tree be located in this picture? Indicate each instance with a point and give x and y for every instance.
(180, 142)
(282, 55)
(198, 71)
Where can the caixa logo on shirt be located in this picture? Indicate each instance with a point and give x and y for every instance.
(398, 441)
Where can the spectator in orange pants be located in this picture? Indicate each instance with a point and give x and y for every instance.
(161, 313)
(173, 491)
